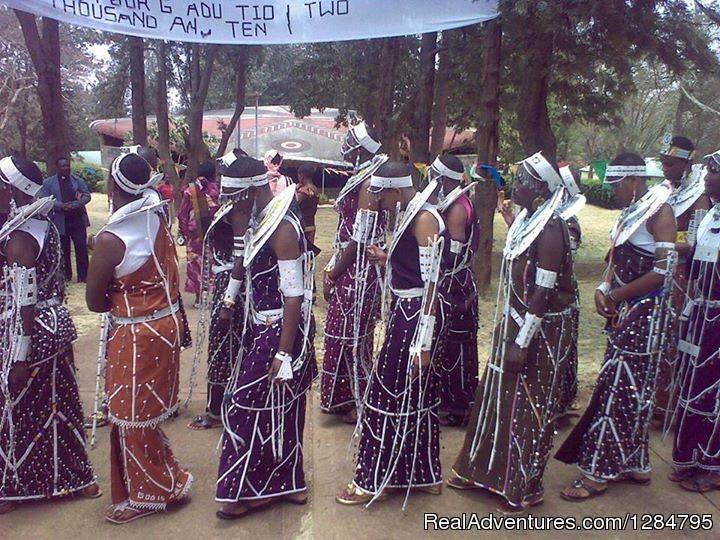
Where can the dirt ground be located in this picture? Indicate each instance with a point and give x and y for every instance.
(328, 466)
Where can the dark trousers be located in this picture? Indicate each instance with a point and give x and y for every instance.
(78, 235)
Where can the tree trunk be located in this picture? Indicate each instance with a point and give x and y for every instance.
(200, 75)
(487, 148)
(439, 113)
(240, 85)
(45, 55)
(385, 105)
(137, 87)
(534, 121)
(163, 123)
(682, 107)
(422, 108)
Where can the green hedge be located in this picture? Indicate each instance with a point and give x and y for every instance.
(93, 176)
(596, 194)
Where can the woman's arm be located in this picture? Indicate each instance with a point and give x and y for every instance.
(285, 245)
(108, 254)
(664, 230)
(550, 254)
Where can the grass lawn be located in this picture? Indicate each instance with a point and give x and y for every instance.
(595, 222)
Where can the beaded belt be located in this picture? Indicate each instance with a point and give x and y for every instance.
(160, 314)
(42, 304)
(268, 317)
(417, 292)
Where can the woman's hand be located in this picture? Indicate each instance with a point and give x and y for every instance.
(328, 286)
(376, 255)
(604, 305)
(274, 370)
(419, 362)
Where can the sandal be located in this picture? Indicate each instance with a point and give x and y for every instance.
(580, 483)
(248, 509)
(701, 484)
(203, 422)
(680, 475)
(7, 506)
(120, 514)
(510, 509)
(632, 478)
(354, 496)
(91, 492)
(456, 482)
(292, 500)
(430, 490)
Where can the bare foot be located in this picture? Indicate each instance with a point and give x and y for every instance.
(296, 498)
(241, 509)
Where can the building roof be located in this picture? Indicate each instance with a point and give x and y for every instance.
(313, 138)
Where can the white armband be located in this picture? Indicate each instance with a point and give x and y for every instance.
(456, 247)
(426, 260)
(232, 291)
(604, 288)
(24, 282)
(426, 330)
(528, 330)
(291, 278)
(285, 373)
(238, 247)
(545, 278)
(660, 271)
(20, 349)
(664, 245)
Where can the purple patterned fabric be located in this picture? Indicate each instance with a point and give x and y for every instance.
(261, 452)
(42, 440)
(400, 439)
(511, 429)
(612, 437)
(339, 372)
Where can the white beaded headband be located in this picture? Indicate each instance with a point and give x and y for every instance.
(122, 181)
(443, 170)
(620, 172)
(364, 139)
(13, 176)
(542, 167)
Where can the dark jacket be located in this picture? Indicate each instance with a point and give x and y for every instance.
(51, 186)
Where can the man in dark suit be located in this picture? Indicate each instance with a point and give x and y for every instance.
(69, 215)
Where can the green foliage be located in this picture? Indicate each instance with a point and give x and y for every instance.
(94, 177)
(596, 194)
(324, 199)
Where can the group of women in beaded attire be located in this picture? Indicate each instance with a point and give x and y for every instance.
(401, 264)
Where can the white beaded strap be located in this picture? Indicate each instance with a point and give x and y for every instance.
(456, 247)
(426, 330)
(604, 288)
(545, 278)
(528, 330)
(20, 349)
(25, 285)
(425, 255)
(238, 247)
(664, 245)
(232, 291)
(291, 278)
(285, 373)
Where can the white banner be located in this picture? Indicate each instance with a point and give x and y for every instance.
(263, 23)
